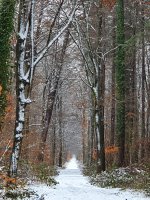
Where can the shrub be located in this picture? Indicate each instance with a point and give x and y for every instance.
(20, 194)
(129, 177)
(90, 170)
(44, 173)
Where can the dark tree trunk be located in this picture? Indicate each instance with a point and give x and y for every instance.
(101, 94)
(113, 88)
(7, 10)
(53, 155)
(52, 90)
(47, 117)
(130, 89)
(120, 82)
(93, 145)
(60, 132)
(143, 131)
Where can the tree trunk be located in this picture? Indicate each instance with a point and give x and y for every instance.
(21, 83)
(60, 133)
(84, 133)
(120, 83)
(53, 155)
(113, 88)
(100, 96)
(93, 145)
(47, 116)
(143, 131)
(7, 10)
(130, 90)
(52, 87)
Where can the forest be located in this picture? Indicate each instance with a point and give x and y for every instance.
(74, 80)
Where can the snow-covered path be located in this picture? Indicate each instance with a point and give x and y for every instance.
(74, 186)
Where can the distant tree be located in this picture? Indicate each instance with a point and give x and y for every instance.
(90, 45)
(52, 88)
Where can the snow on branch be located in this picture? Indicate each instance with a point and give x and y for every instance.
(51, 42)
(32, 40)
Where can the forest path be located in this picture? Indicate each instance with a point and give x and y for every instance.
(74, 186)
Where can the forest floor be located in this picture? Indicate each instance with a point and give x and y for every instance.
(74, 186)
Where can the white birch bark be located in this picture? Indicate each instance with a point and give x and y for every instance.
(25, 76)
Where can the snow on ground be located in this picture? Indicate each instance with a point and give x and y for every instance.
(74, 186)
(72, 164)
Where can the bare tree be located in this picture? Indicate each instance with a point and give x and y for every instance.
(90, 46)
(25, 74)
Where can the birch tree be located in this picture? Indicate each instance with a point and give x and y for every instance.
(25, 74)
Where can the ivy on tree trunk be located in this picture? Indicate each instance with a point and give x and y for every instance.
(7, 8)
(120, 82)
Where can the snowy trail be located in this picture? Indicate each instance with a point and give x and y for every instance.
(74, 186)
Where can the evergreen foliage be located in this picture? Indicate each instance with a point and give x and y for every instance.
(120, 80)
(133, 177)
(7, 8)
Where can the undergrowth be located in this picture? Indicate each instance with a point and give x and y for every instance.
(41, 172)
(44, 173)
(28, 173)
(20, 194)
(132, 177)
